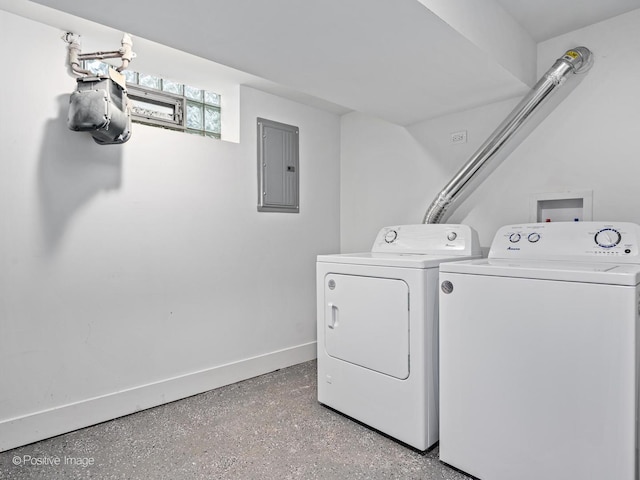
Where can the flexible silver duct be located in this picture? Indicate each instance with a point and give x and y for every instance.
(576, 60)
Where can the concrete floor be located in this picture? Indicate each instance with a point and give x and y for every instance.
(269, 427)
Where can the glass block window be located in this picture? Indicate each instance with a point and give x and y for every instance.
(166, 103)
(211, 120)
(193, 93)
(149, 81)
(172, 87)
(131, 77)
(194, 116)
(96, 67)
(212, 98)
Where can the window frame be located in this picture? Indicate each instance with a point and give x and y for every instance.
(175, 102)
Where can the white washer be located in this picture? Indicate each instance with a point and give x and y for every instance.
(539, 352)
(377, 328)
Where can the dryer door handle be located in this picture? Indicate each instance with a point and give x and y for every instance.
(333, 317)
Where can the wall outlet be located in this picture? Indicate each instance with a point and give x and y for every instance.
(459, 137)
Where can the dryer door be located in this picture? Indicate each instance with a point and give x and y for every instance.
(366, 322)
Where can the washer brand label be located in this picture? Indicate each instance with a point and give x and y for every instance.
(513, 248)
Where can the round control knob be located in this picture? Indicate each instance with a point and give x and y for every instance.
(608, 238)
(390, 236)
(533, 237)
(514, 237)
(451, 236)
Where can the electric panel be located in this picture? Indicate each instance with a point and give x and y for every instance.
(278, 162)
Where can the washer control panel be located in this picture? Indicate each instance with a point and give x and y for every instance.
(578, 241)
(433, 239)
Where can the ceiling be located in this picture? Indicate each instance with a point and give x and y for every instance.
(394, 59)
(545, 19)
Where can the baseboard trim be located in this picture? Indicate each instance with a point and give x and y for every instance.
(37, 426)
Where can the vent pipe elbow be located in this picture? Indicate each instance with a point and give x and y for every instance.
(509, 133)
(580, 58)
(437, 210)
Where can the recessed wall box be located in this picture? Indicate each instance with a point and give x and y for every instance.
(562, 206)
(278, 172)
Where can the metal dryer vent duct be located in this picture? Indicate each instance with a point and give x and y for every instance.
(509, 133)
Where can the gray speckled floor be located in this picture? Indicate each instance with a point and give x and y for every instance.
(269, 427)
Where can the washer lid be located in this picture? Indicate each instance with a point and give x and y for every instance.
(586, 272)
(408, 260)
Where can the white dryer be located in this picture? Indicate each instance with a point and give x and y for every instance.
(377, 328)
(539, 352)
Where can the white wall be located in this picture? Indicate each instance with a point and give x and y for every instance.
(589, 142)
(384, 177)
(133, 275)
(487, 25)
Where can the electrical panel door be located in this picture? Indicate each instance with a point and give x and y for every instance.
(278, 167)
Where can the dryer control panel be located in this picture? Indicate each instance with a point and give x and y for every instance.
(433, 239)
(615, 242)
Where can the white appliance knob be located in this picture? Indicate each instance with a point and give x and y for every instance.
(514, 237)
(533, 237)
(451, 236)
(608, 238)
(390, 236)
